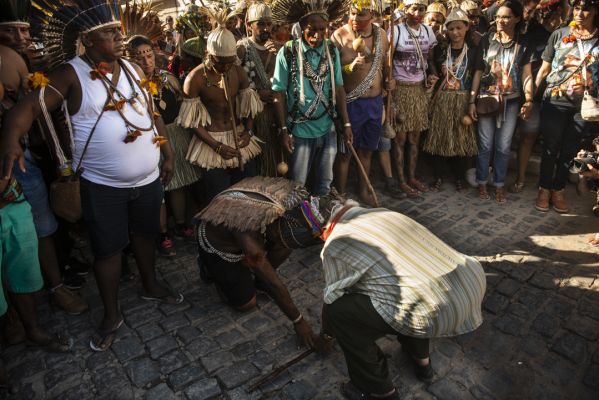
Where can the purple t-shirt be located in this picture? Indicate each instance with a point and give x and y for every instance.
(406, 61)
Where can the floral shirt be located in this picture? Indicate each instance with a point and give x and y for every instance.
(564, 55)
(502, 69)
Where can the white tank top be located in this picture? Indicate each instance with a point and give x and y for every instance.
(109, 160)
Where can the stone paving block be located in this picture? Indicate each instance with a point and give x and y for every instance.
(522, 271)
(174, 322)
(573, 292)
(272, 334)
(300, 390)
(161, 345)
(508, 287)
(261, 360)
(143, 317)
(493, 277)
(256, 323)
(149, 331)
(143, 371)
(495, 303)
(447, 347)
(124, 392)
(172, 361)
(58, 380)
(111, 382)
(204, 389)
(534, 346)
(99, 360)
(188, 334)
(481, 393)
(532, 297)
(169, 309)
(202, 346)
(128, 349)
(509, 381)
(216, 325)
(521, 311)
(241, 394)
(559, 371)
(589, 308)
(25, 370)
(236, 374)
(216, 360)
(543, 280)
(243, 349)
(572, 347)
(591, 377)
(82, 391)
(596, 356)
(229, 339)
(446, 389)
(546, 325)
(54, 360)
(160, 392)
(560, 306)
(180, 378)
(585, 327)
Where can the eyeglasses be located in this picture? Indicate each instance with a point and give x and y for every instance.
(504, 18)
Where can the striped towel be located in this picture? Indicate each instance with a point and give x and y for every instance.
(417, 283)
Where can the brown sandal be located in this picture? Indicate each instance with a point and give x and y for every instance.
(500, 195)
(482, 192)
(421, 187)
(408, 190)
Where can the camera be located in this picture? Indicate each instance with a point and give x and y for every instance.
(581, 163)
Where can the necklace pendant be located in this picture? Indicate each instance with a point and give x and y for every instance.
(136, 106)
(162, 104)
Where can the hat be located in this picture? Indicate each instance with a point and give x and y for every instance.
(292, 11)
(257, 11)
(15, 12)
(221, 41)
(437, 7)
(372, 5)
(468, 5)
(457, 15)
(195, 47)
(408, 3)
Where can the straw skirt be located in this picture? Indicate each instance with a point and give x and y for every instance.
(185, 174)
(411, 105)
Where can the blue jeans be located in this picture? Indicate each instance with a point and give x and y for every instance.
(496, 132)
(318, 153)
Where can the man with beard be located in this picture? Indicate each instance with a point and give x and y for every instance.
(257, 54)
(363, 48)
(115, 145)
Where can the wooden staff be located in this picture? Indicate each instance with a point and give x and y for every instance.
(233, 122)
(390, 61)
(272, 375)
(364, 174)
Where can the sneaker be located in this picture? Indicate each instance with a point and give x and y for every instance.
(166, 247)
(184, 232)
(68, 301)
(71, 280)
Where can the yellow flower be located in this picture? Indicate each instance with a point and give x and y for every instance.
(572, 24)
(38, 80)
(153, 88)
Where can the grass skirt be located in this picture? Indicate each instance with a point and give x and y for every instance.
(411, 105)
(447, 136)
(202, 155)
(266, 130)
(185, 173)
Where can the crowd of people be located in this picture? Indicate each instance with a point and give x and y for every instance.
(121, 124)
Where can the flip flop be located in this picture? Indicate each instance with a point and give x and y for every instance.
(172, 299)
(421, 187)
(101, 341)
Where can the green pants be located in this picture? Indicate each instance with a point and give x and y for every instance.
(356, 325)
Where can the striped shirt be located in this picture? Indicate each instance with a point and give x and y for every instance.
(418, 284)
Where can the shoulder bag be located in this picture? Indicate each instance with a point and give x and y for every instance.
(589, 108)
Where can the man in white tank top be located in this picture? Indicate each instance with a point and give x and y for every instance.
(121, 185)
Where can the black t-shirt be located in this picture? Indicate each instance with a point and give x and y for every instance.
(502, 69)
(537, 37)
(466, 69)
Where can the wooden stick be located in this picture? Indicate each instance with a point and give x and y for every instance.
(390, 61)
(364, 174)
(272, 375)
(233, 122)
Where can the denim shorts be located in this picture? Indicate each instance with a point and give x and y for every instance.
(111, 214)
(533, 123)
(34, 188)
(384, 144)
(19, 263)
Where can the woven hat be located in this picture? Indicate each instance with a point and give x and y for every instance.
(408, 3)
(437, 7)
(468, 5)
(221, 41)
(257, 11)
(15, 12)
(457, 15)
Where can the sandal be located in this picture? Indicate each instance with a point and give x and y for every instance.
(102, 340)
(482, 192)
(55, 344)
(421, 187)
(436, 186)
(408, 190)
(500, 195)
(516, 187)
(459, 185)
(172, 299)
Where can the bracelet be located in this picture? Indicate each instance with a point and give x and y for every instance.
(326, 337)
(347, 125)
(218, 148)
(298, 319)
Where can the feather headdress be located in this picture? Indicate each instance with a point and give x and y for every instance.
(221, 41)
(59, 24)
(292, 11)
(138, 19)
(14, 12)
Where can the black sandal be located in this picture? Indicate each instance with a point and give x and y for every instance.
(102, 340)
(171, 298)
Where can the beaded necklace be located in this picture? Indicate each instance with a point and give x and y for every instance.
(454, 67)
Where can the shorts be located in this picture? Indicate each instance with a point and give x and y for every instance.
(533, 123)
(111, 214)
(384, 144)
(34, 188)
(19, 262)
(234, 280)
(365, 115)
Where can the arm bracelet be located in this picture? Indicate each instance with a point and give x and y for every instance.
(298, 319)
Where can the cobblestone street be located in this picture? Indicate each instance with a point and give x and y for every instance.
(539, 339)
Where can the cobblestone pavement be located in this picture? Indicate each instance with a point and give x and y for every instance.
(538, 341)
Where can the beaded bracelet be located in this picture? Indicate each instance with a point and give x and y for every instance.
(219, 147)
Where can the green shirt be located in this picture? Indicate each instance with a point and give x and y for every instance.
(282, 82)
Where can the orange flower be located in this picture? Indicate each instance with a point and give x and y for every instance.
(132, 136)
(156, 115)
(159, 140)
(112, 106)
(38, 80)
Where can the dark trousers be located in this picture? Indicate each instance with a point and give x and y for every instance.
(354, 322)
(562, 130)
(457, 164)
(218, 179)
